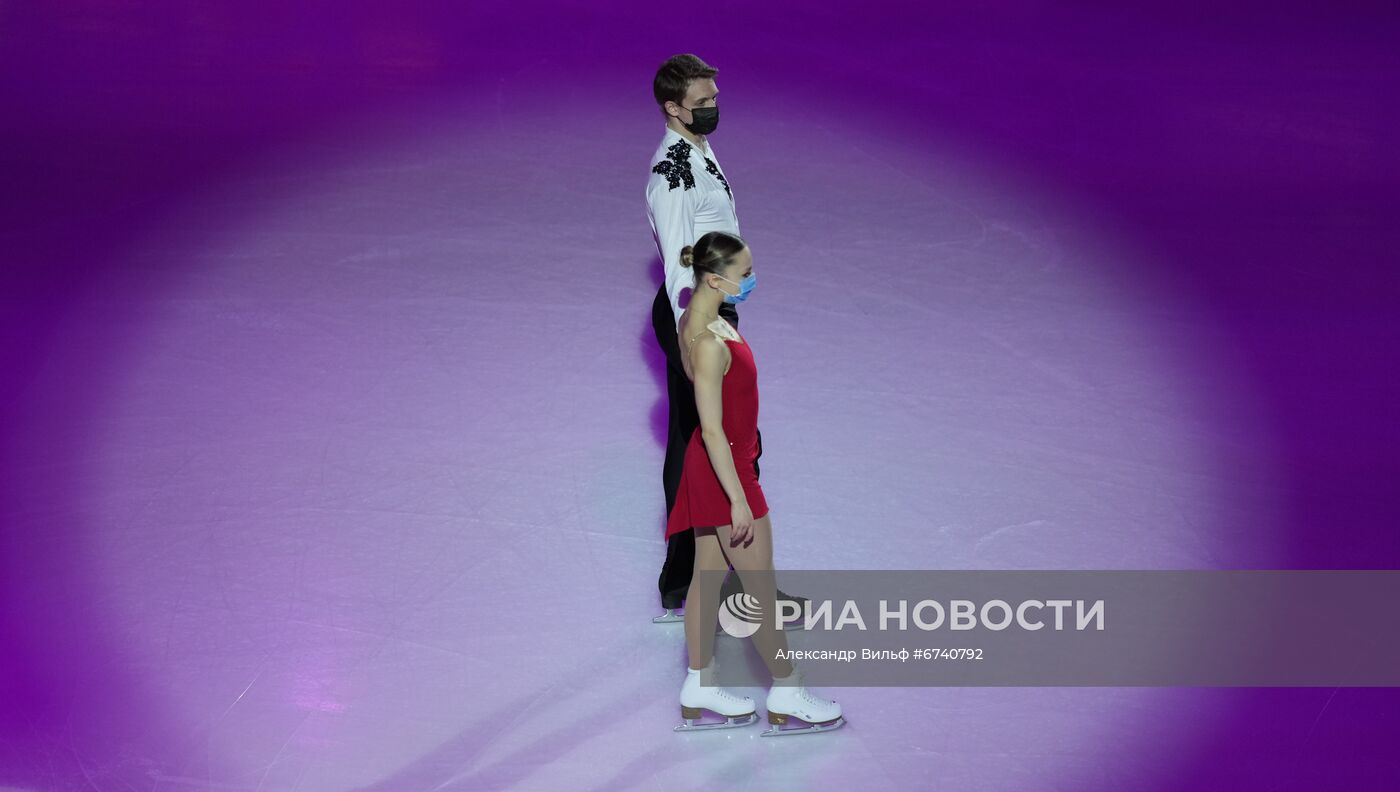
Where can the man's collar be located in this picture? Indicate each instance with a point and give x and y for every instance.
(672, 136)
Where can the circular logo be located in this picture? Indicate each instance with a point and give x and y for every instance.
(739, 615)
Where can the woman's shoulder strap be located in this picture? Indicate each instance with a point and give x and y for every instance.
(725, 333)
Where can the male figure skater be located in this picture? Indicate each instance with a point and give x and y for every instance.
(687, 197)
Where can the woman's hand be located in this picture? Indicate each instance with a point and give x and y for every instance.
(741, 523)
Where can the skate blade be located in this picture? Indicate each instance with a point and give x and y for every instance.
(669, 617)
(812, 728)
(690, 724)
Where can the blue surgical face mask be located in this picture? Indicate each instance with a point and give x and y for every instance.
(744, 288)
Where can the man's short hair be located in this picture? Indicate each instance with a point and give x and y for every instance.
(673, 78)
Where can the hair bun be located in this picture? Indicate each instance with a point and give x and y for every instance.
(687, 256)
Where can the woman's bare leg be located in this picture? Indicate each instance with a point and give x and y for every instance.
(702, 599)
(754, 565)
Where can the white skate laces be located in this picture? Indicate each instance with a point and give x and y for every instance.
(699, 698)
(730, 697)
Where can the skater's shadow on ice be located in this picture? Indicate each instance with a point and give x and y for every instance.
(462, 763)
(655, 361)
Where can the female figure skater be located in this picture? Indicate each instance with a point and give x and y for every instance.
(720, 499)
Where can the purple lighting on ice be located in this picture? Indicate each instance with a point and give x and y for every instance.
(333, 420)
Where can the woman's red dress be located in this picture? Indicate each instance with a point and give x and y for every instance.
(700, 500)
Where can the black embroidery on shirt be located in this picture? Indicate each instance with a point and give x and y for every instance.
(713, 168)
(676, 166)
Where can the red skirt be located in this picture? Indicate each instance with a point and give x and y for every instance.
(700, 499)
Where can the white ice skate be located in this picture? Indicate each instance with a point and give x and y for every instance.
(790, 699)
(669, 617)
(698, 698)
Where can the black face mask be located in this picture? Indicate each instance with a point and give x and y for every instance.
(705, 119)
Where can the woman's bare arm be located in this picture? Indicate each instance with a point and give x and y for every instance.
(708, 362)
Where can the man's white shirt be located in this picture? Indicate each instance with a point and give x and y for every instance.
(687, 197)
